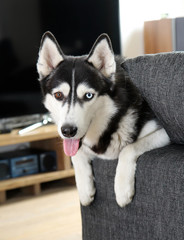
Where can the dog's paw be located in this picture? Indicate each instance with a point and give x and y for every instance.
(86, 193)
(125, 176)
(124, 191)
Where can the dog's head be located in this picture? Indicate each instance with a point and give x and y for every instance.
(75, 88)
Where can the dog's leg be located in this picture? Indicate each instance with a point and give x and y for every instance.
(84, 177)
(125, 172)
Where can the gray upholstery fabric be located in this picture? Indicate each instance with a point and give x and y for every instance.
(157, 210)
(160, 79)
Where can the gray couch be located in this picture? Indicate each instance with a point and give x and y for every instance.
(157, 209)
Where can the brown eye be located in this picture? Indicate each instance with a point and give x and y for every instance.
(59, 95)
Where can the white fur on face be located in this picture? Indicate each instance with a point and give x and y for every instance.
(55, 108)
(101, 108)
(77, 115)
(91, 118)
(64, 88)
(82, 115)
(82, 89)
(104, 110)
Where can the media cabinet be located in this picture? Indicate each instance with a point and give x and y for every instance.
(45, 138)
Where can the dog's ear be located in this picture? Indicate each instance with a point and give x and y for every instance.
(102, 57)
(50, 55)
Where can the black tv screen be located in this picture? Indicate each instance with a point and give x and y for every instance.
(75, 23)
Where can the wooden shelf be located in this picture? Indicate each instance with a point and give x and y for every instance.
(158, 36)
(34, 179)
(46, 138)
(41, 133)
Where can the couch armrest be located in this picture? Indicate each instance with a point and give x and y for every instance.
(157, 209)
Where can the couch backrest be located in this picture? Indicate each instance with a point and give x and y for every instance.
(160, 79)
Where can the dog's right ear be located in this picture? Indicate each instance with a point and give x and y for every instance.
(102, 56)
(50, 55)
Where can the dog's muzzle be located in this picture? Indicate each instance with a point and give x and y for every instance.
(70, 144)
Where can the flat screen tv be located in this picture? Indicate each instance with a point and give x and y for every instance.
(75, 23)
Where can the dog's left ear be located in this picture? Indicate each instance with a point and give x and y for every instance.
(102, 57)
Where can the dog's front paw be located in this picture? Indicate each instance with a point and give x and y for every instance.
(125, 176)
(86, 192)
(124, 190)
(86, 195)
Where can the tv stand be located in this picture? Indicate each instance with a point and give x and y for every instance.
(45, 138)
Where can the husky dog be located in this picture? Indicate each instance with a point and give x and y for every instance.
(98, 112)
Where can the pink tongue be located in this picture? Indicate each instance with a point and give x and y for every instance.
(71, 146)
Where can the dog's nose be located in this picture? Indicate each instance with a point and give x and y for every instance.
(69, 131)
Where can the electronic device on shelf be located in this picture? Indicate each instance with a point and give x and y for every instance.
(26, 162)
(24, 165)
(47, 161)
(27, 122)
(4, 169)
(20, 121)
(46, 119)
(21, 163)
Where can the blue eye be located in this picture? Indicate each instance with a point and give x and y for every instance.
(89, 96)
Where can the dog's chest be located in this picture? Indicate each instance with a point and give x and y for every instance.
(118, 139)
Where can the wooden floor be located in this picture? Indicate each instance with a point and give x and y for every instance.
(53, 215)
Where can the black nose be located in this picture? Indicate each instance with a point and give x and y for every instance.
(69, 131)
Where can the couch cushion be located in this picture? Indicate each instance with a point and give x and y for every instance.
(160, 79)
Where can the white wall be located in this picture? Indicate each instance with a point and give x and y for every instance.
(133, 13)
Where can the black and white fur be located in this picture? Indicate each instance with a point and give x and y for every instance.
(92, 99)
